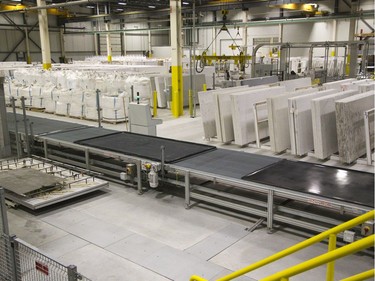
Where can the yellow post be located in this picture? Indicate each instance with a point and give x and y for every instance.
(205, 87)
(177, 91)
(331, 266)
(347, 65)
(176, 45)
(155, 101)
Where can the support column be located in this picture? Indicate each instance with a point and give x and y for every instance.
(44, 35)
(149, 44)
(123, 39)
(109, 46)
(4, 133)
(353, 49)
(244, 32)
(176, 44)
(62, 46)
(28, 57)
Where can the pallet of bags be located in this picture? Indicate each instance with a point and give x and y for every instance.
(114, 107)
(62, 104)
(76, 106)
(50, 96)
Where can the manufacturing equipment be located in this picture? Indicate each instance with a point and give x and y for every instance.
(302, 194)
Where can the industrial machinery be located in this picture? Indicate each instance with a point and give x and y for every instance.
(313, 197)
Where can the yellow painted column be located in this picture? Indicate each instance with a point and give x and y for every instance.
(109, 46)
(44, 35)
(176, 44)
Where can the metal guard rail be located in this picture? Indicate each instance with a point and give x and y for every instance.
(327, 258)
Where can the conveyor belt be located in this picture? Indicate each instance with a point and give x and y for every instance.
(227, 163)
(40, 125)
(80, 134)
(336, 183)
(147, 147)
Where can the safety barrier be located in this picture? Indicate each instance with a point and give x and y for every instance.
(327, 258)
(20, 261)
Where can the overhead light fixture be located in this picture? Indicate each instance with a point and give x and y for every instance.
(185, 3)
(152, 7)
(119, 9)
(121, 3)
(90, 7)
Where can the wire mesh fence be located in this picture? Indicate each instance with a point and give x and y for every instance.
(20, 261)
(6, 258)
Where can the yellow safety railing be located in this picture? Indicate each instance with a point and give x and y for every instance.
(327, 258)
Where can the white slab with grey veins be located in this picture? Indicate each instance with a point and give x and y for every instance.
(223, 114)
(350, 126)
(300, 122)
(278, 123)
(243, 114)
(324, 123)
(336, 84)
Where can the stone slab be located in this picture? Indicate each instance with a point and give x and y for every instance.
(300, 122)
(207, 110)
(243, 114)
(336, 85)
(278, 123)
(223, 95)
(324, 123)
(350, 125)
(296, 84)
(223, 114)
(251, 82)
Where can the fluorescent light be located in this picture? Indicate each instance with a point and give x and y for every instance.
(119, 9)
(121, 3)
(90, 7)
(185, 3)
(152, 7)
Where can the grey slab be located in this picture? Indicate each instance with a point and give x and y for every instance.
(228, 163)
(135, 247)
(260, 245)
(65, 218)
(179, 265)
(80, 134)
(32, 230)
(225, 272)
(324, 123)
(98, 232)
(24, 181)
(350, 125)
(99, 264)
(63, 245)
(218, 241)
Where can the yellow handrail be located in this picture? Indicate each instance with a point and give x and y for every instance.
(318, 238)
(323, 259)
(361, 276)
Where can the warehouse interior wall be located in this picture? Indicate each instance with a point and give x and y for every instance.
(78, 46)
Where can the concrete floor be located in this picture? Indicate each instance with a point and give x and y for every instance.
(116, 234)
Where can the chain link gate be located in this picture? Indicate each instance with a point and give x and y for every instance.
(20, 261)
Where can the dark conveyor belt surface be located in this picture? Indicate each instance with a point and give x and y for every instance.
(40, 125)
(80, 134)
(147, 147)
(336, 183)
(227, 163)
